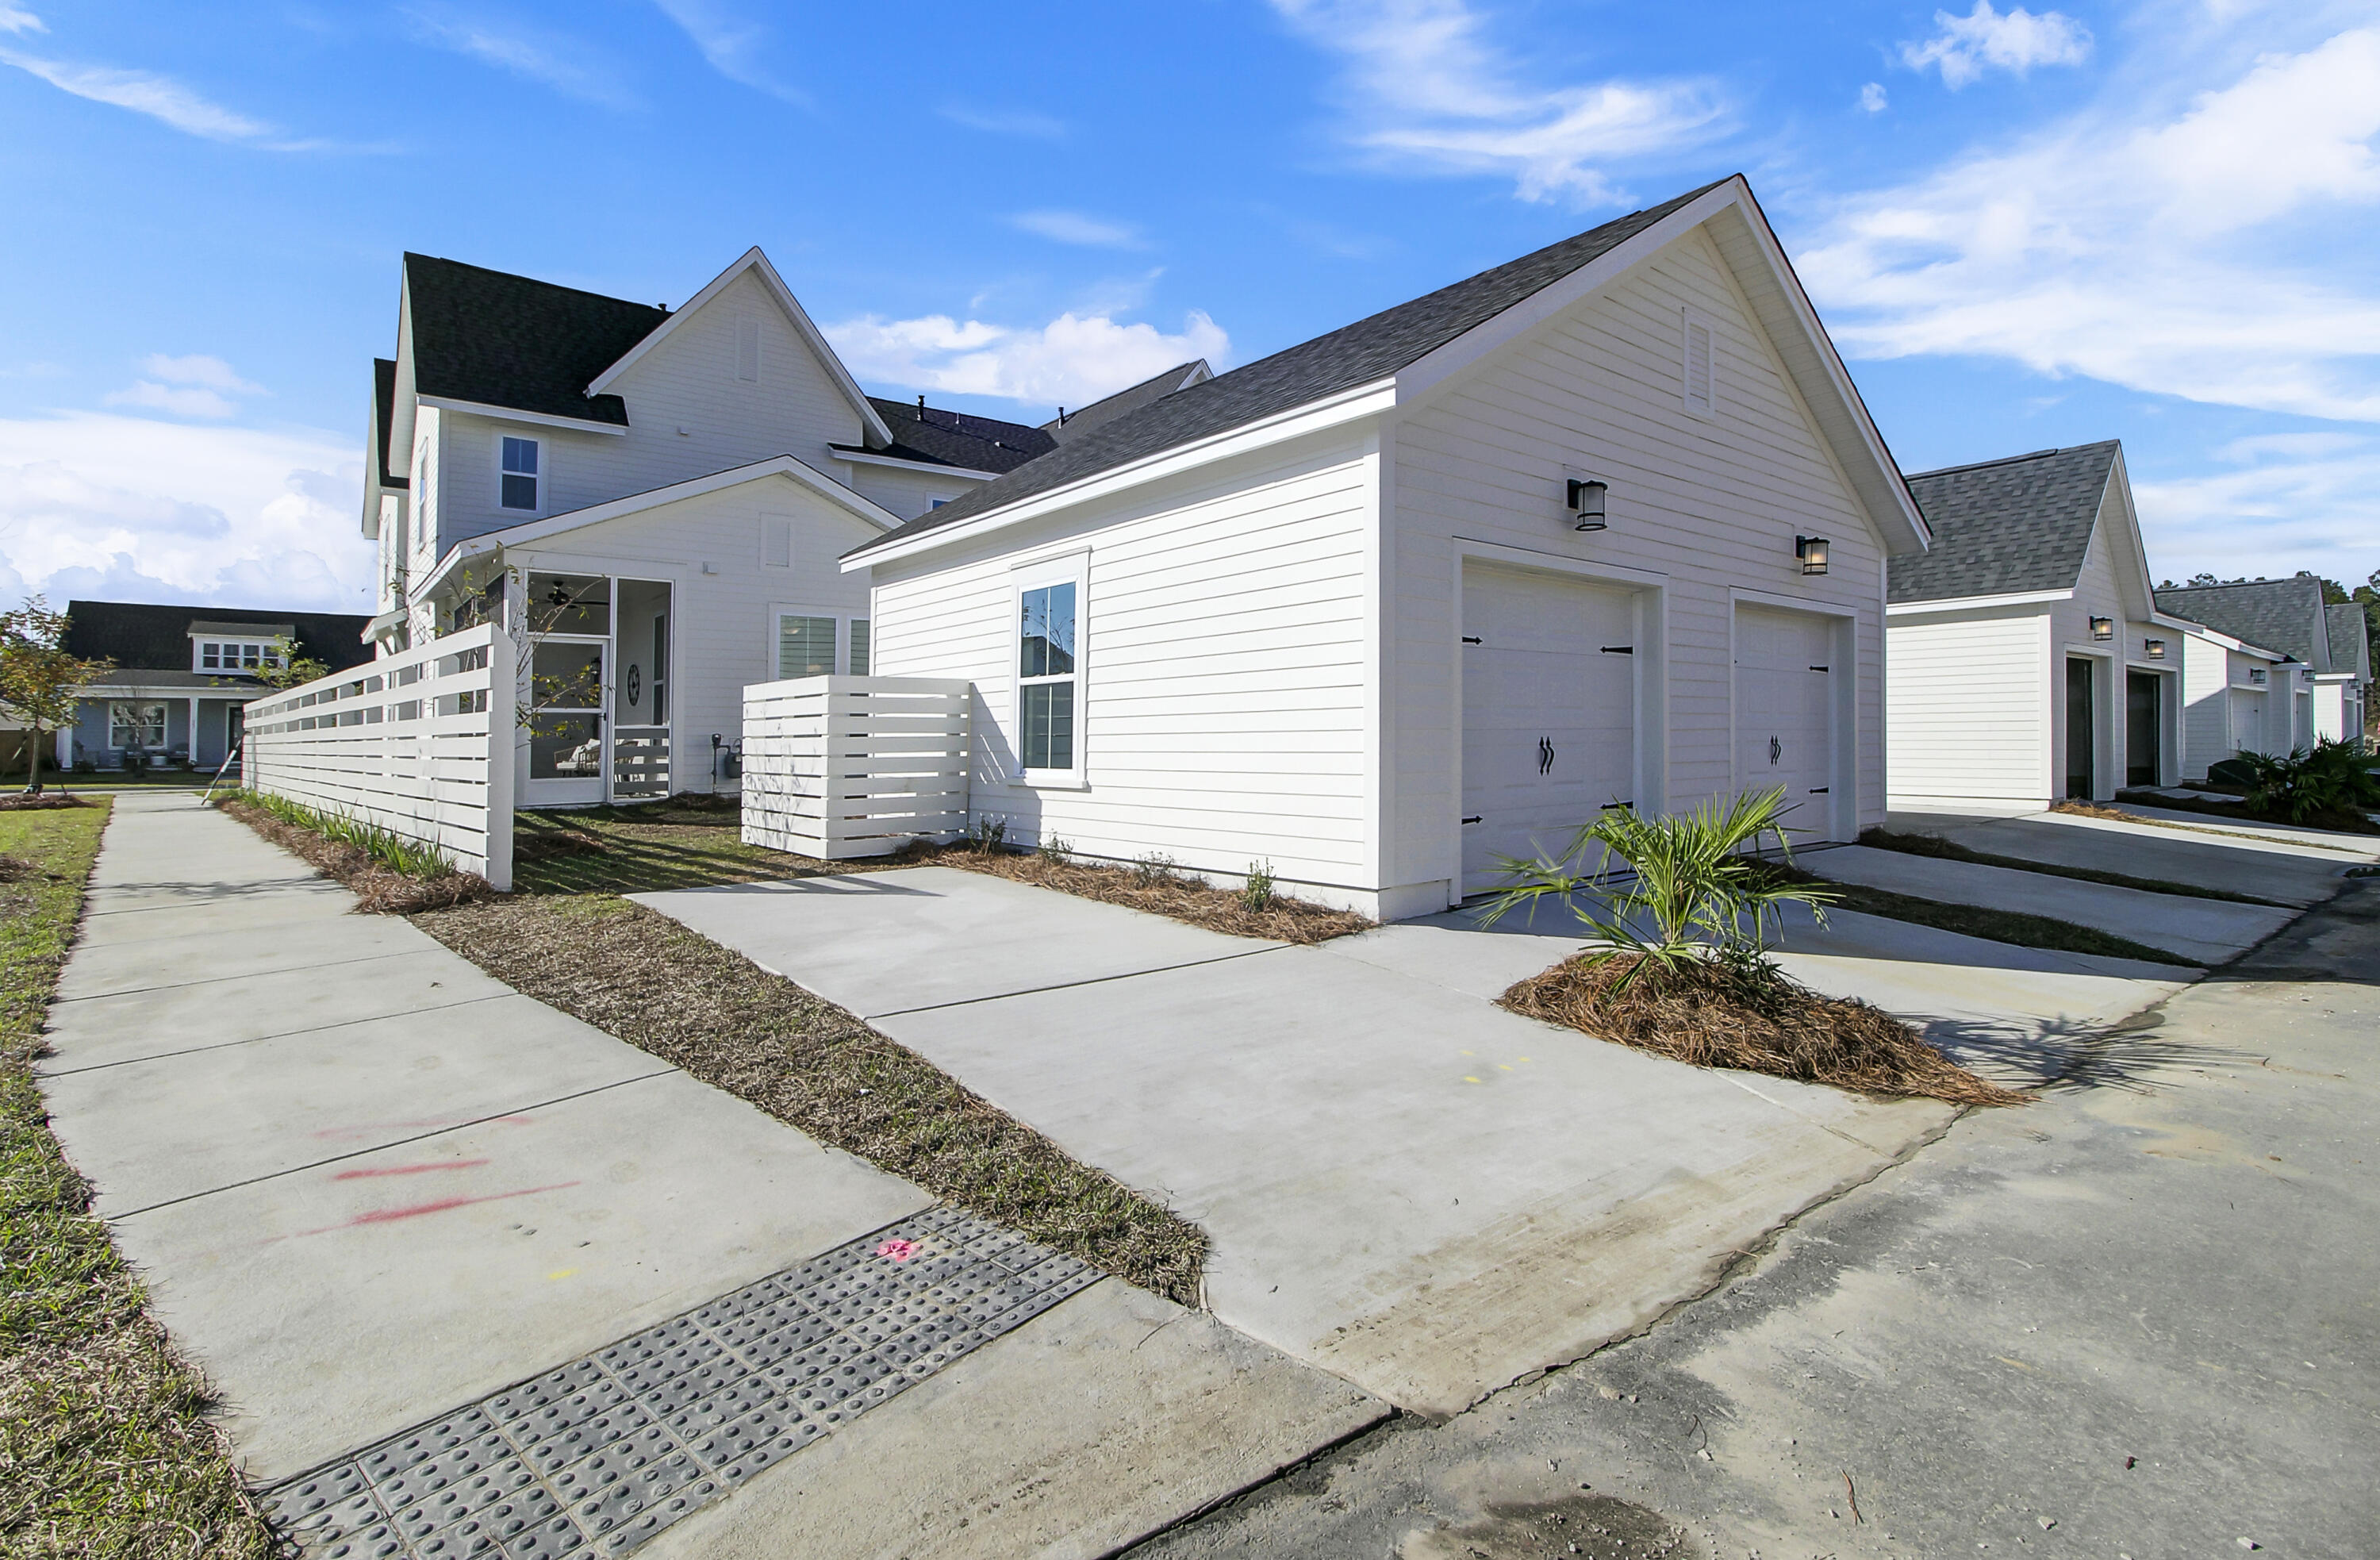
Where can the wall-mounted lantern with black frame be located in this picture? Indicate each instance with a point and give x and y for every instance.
(2155, 649)
(2102, 628)
(1589, 503)
(1812, 551)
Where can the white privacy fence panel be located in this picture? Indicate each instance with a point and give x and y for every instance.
(843, 767)
(420, 744)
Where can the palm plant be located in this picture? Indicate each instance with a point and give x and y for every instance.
(1672, 892)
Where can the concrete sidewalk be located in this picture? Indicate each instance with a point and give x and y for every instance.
(372, 1188)
(1406, 1185)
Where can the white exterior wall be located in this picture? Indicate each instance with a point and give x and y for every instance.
(1226, 639)
(687, 382)
(722, 621)
(1702, 511)
(1973, 708)
(906, 494)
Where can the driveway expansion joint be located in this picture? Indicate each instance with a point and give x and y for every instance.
(599, 1455)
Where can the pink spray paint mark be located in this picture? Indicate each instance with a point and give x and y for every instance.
(899, 1250)
(442, 1205)
(410, 1169)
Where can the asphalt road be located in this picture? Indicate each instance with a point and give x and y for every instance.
(2137, 1320)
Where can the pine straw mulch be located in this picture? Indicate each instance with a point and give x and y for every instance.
(2338, 820)
(33, 801)
(1161, 892)
(1711, 1016)
(378, 889)
(642, 978)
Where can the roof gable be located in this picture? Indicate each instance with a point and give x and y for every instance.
(2351, 639)
(2007, 527)
(1081, 420)
(955, 438)
(753, 261)
(501, 340)
(2282, 615)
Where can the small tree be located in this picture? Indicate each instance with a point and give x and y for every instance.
(286, 667)
(40, 678)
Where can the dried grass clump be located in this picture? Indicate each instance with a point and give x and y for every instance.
(30, 802)
(545, 844)
(1712, 1015)
(1156, 888)
(378, 889)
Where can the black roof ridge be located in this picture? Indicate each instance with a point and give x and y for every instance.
(538, 281)
(1184, 367)
(2007, 459)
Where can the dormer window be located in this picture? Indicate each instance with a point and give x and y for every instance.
(520, 473)
(236, 656)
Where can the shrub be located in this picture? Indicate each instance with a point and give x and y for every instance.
(1153, 870)
(1670, 894)
(2332, 777)
(1055, 851)
(988, 834)
(393, 852)
(1256, 893)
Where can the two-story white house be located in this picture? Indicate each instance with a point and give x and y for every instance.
(666, 492)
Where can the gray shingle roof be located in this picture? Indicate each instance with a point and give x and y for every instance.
(954, 438)
(1081, 420)
(139, 637)
(1369, 350)
(383, 412)
(2005, 527)
(2282, 615)
(509, 341)
(2350, 641)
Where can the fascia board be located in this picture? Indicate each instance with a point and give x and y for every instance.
(2119, 486)
(1348, 405)
(803, 326)
(2217, 637)
(512, 414)
(1977, 603)
(869, 457)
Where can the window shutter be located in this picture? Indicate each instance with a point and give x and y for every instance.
(747, 350)
(1698, 367)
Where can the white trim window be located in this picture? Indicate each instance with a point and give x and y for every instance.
(819, 641)
(521, 473)
(1049, 675)
(235, 655)
(855, 640)
(1699, 384)
(136, 725)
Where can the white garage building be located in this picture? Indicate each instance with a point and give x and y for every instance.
(1605, 524)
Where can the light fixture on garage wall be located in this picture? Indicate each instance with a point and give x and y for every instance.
(2256, 676)
(1812, 551)
(1588, 500)
(2155, 648)
(2103, 627)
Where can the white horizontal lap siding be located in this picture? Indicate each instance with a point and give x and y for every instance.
(1969, 716)
(906, 494)
(1712, 504)
(723, 635)
(687, 382)
(1225, 653)
(2206, 705)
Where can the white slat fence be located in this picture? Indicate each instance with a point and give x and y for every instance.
(843, 767)
(419, 743)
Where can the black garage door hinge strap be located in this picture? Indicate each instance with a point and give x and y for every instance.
(1620, 649)
(1473, 818)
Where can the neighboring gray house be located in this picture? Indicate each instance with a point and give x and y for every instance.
(2328, 688)
(184, 674)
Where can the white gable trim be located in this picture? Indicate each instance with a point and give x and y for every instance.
(511, 414)
(2215, 637)
(1977, 603)
(754, 261)
(868, 458)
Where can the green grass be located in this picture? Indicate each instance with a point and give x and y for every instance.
(104, 1447)
(682, 843)
(1951, 850)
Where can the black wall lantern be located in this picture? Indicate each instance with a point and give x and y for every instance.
(1812, 551)
(2155, 648)
(1588, 498)
(2103, 627)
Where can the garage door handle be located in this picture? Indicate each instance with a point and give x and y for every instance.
(1545, 756)
(1821, 790)
(1817, 668)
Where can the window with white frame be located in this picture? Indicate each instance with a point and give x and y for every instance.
(815, 643)
(136, 725)
(858, 658)
(1700, 387)
(236, 655)
(1048, 677)
(520, 476)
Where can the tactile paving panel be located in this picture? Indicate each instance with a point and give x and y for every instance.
(596, 1456)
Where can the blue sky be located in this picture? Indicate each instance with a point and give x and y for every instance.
(2025, 227)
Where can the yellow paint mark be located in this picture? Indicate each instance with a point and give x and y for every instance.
(2006, 1360)
(1503, 1067)
(1470, 1080)
(1524, 1058)
(561, 1272)
(1467, 1053)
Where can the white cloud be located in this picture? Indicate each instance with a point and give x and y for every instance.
(180, 400)
(1073, 360)
(2316, 506)
(13, 19)
(1424, 89)
(1005, 121)
(1984, 39)
(100, 505)
(198, 369)
(557, 62)
(1073, 227)
(733, 41)
(2194, 253)
(197, 385)
(160, 98)
(1872, 98)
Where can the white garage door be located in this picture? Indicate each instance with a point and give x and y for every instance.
(1785, 713)
(1548, 713)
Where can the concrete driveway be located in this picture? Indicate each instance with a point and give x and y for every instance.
(2208, 852)
(1405, 1184)
(385, 1203)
